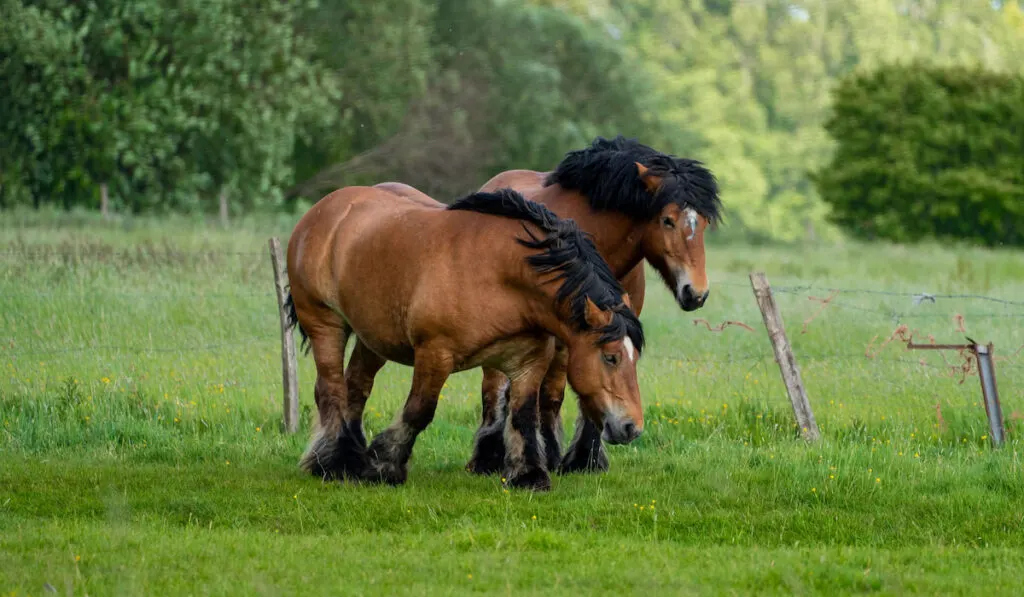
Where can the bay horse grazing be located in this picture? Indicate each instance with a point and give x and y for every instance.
(637, 204)
(486, 282)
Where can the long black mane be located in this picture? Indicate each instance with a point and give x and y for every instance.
(606, 174)
(568, 252)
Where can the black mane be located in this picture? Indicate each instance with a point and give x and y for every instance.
(568, 252)
(606, 174)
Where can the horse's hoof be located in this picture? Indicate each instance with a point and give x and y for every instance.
(533, 478)
(488, 452)
(579, 461)
(486, 464)
(385, 473)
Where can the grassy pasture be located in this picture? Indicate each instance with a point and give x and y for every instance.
(140, 450)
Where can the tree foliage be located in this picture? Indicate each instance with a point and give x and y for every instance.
(927, 152)
(168, 103)
(171, 103)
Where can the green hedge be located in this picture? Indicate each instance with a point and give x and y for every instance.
(928, 152)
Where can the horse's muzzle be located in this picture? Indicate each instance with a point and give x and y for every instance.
(690, 300)
(620, 431)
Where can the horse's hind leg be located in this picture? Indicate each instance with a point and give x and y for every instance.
(489, 442)
(333, 451)
(390, 450)
(363, 366)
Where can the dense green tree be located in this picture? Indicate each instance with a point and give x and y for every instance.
(928, 152)
(172, 103)
(167, 103)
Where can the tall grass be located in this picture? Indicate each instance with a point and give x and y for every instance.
(140, 407)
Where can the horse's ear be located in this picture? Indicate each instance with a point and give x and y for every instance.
(626, 301)
(652, 182)
(596, 318)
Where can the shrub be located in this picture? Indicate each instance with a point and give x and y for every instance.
(928, 152)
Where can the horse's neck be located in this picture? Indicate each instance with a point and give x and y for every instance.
(617, 236)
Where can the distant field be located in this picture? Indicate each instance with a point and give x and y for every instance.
(140, 450)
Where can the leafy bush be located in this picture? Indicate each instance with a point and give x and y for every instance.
(928, 152)
(169, 104)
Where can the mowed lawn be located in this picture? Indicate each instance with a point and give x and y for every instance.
(141, 451)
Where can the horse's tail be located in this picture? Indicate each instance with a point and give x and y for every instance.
(293, 322)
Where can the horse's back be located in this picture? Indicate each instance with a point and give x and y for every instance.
(409, 192)
(526, 182)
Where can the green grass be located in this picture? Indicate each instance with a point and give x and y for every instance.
(140, 450)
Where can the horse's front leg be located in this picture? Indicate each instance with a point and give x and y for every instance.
(552, 393)
(390, 450)
(586, 452)
(489, 442)
(525, 457)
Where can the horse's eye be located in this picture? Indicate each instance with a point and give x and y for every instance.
(611, 359)
(668, 223)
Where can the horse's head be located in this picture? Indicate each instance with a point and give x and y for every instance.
(602, 371)
(673, 242)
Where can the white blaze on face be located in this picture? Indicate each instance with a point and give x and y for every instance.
(630, 349)
(691, 219)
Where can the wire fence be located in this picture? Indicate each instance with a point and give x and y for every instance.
(865, 329)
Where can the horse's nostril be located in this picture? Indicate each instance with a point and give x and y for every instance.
(630, 430)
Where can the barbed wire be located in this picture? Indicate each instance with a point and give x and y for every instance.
(919, 297)
(99, 251)
(133, 349)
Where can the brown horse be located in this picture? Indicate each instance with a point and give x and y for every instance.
(637, 204)
(445, 290)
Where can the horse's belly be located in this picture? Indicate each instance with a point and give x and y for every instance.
(392, 351)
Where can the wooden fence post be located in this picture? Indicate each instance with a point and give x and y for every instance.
(223, 198)
(104, 202)
(784, 356)
(289, 362)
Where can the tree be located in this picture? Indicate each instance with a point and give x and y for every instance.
(928, 152)
(167, 103)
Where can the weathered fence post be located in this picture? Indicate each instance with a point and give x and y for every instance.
(289, 362)
(784, 356)
(104, 202)
(223, 207)
(987, 373)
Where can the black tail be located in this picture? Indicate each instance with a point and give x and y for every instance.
(293, 322)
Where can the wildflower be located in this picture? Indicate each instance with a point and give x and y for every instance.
(105, 380)
(227, 462)
(469, 576)
(258, 429)
(984, 437)
(78, 558)
(878, 479)
(917, 454)
(535, 517)
(814, 490)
